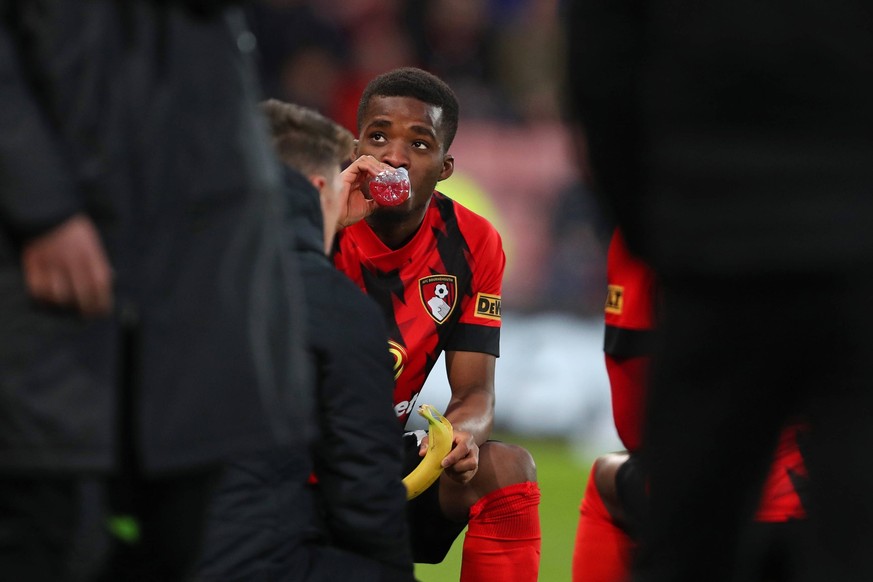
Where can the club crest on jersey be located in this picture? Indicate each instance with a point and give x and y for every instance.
(438, 295)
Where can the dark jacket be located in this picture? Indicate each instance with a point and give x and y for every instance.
(730, 137)
(143, 115)
(267, 522)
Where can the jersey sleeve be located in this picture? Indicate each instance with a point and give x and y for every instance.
(629, 309)
(628, 338)
(478, 328)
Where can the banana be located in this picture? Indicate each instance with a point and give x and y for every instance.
(439, 443)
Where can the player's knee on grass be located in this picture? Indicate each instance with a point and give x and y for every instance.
(630, 492)
(502, 464)
(605, 469)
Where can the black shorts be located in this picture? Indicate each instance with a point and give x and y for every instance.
(432, 534)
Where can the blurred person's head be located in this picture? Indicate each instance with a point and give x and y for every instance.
(310, 76)
(408, 118)
(317, 148)
(456, 27)
(351, 14)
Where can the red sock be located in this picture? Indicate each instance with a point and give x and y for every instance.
(503, 536)
(603, 550)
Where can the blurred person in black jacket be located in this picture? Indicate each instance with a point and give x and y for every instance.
(339, 512)
(731, 141)
(148, 327)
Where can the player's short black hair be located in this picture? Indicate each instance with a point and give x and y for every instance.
(418, 84)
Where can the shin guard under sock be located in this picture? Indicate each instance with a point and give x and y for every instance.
(602, 552)
(503, 536)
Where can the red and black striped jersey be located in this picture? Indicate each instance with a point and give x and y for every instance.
(439, 292)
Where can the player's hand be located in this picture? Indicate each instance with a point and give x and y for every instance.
(68, 267)
(462, 462)
(357, 205)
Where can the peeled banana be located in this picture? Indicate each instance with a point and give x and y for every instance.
(439, 443)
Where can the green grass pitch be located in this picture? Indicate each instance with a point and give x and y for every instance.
(562, 476)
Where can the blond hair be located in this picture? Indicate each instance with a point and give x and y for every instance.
(305, 139)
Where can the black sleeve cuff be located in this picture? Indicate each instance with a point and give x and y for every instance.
(475, 338)
(628, 343)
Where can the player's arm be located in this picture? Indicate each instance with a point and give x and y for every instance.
(470, 409)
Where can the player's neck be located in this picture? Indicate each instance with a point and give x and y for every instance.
(395, 230)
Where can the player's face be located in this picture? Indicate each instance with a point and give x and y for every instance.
(330, 187)
(406, 132)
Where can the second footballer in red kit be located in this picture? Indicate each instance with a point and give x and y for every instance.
(615, 501)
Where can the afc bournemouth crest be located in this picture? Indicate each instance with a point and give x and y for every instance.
(438, 295)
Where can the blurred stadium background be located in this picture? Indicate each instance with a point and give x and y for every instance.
(513, 165)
